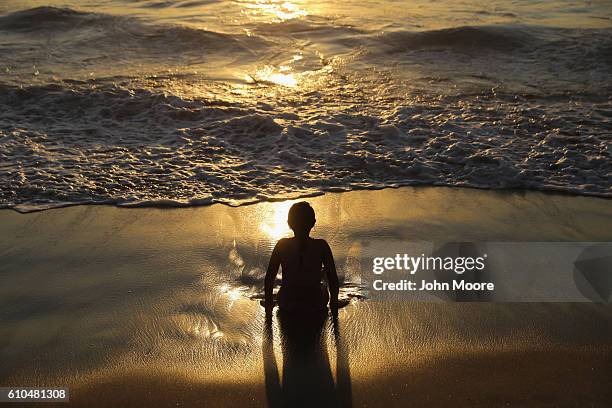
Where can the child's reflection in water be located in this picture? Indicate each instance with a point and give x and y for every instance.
(307, 377)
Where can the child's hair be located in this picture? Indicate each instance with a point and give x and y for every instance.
(301, 216)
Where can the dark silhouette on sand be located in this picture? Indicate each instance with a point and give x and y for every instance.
(305, 262)
(303, 316)
(307, 379)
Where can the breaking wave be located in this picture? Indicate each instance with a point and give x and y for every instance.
(137, 147)
(91, 113)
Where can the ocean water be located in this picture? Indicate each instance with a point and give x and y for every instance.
(194, 102)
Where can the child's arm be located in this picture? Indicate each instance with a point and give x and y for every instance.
(271, 276)
(332, 277)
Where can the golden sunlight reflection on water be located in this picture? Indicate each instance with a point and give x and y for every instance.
(269, 74)
(274, 220)
(232, 293)
(273, 10)
(185, 316)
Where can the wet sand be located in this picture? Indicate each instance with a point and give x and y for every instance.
(151, 307)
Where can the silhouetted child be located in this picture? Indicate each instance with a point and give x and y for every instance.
(305, 261)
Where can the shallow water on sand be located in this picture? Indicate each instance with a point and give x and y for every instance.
(194, 102)
(90, 293)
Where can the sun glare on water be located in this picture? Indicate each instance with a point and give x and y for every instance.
(231, 292)
(280, 76)
(274, 10)
(274, 223)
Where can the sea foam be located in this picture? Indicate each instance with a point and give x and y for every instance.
(104, 108)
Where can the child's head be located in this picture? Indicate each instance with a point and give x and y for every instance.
(301, 218)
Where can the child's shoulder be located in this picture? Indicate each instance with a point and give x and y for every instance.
(321, 242)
